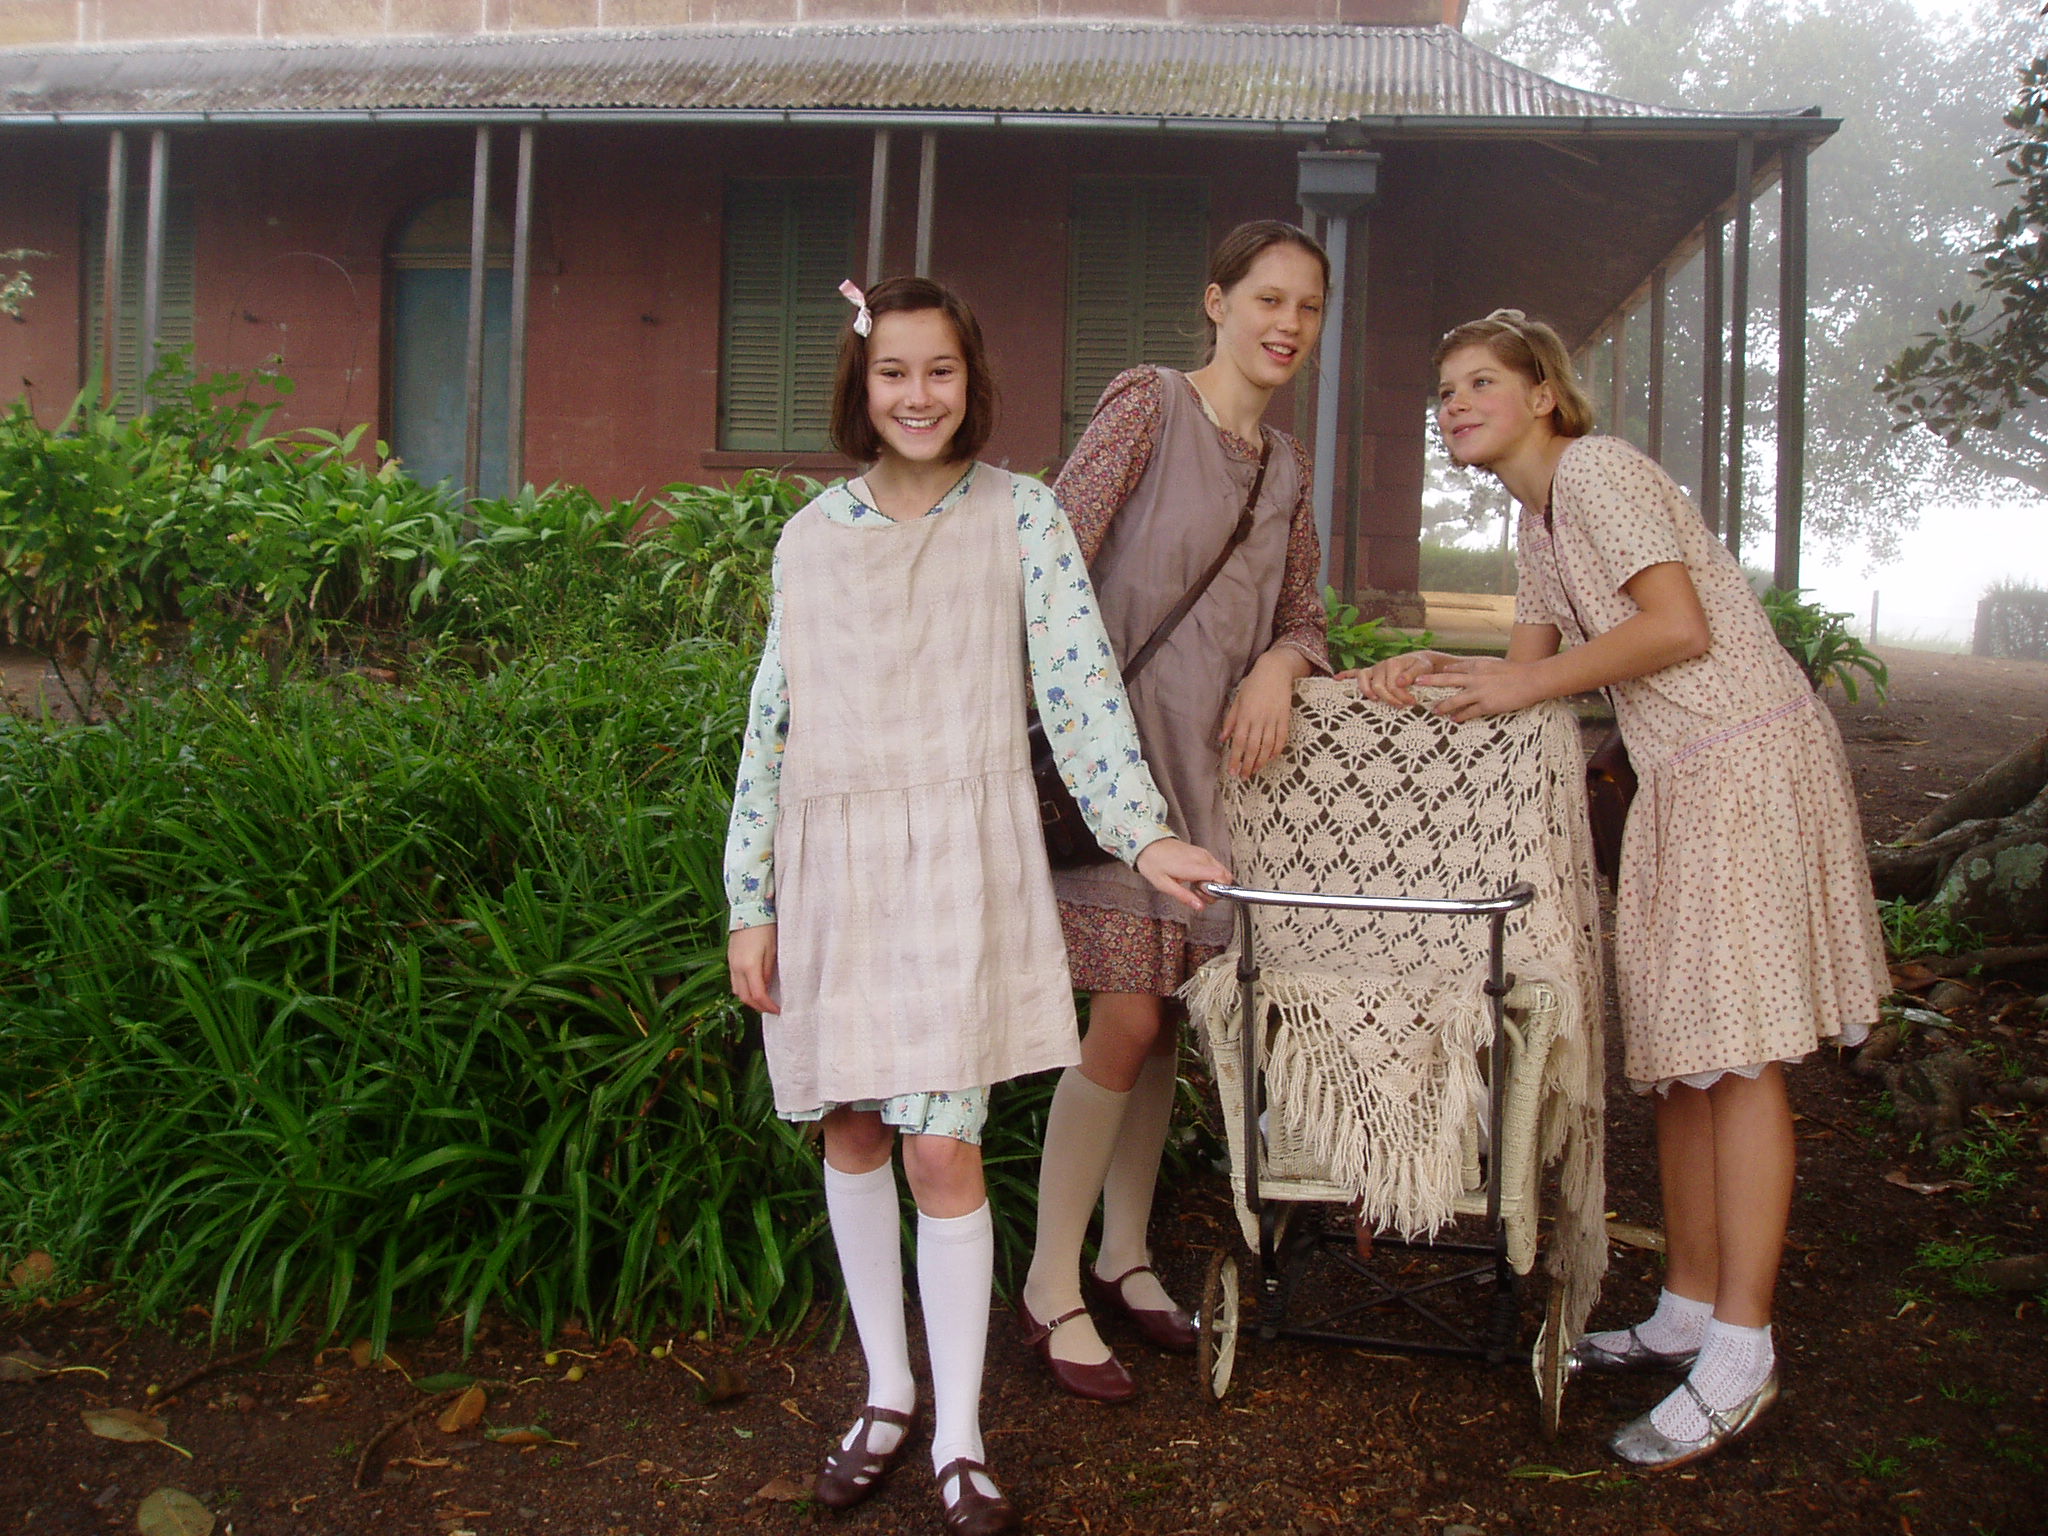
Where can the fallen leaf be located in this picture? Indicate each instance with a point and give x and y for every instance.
(359, 1351)
(1636, 1237)
(173, 1512)
(424, 1463)
(1898, 1176)
(781, 1490)
(524, 1435)
(789, 1406)
(444, 1381)
(721, 1386)
(37, 1269)
(25, 1365)
(466, 1412)
(130, 1426)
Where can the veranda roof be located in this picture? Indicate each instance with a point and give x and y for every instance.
(1389, 80)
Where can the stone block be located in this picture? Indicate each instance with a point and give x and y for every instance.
(119, 19)
(39, 21)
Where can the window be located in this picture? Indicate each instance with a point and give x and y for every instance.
(788, 246)
(174, 321)
(1137, 251)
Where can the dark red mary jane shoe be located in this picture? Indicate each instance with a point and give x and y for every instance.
(853, 1472)
(1171, 1330)
(1107, 1382)
(974, 1513)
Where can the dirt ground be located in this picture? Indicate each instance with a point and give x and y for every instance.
(1910, 1405)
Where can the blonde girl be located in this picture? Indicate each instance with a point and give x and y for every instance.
(1745, 929)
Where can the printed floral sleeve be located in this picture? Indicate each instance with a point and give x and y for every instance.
(756, 794)
(1300, 622)
(1108, 462)
(1074, 679)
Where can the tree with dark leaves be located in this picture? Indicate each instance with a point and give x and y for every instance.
(1987, 358)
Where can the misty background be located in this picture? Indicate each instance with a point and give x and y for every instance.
(1900, 197)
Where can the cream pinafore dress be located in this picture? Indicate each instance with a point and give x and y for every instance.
(917, 941)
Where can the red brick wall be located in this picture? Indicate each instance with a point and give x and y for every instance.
(292, 226)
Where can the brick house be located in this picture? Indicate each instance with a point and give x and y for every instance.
(673, 189)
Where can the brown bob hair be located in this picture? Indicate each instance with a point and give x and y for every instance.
(853, 434)
(1234, 255)
(1535, 351)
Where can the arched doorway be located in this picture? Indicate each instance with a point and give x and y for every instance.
(428, 264)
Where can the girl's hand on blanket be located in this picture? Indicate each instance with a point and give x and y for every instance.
(1390, 681)
(1487, 685)
(1255, 729)
(1177, 869)
(750, 956)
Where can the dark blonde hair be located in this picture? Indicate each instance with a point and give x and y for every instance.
(1244, 245)
(1535, 351)
(853, 432)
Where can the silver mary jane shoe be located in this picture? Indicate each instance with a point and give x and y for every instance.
(1641, 1444)
(1634, 1357)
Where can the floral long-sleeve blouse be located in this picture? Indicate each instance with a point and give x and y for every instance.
(1123, 433)
(1074, 680)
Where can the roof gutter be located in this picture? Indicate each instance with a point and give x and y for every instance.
(1806, 125)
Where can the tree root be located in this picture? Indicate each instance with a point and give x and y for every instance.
(204, 1371)
(418, 1410)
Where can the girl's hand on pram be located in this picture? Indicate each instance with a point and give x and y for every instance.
(1390, 681)
(1487, 685)
(750, 956)
(1177, 869)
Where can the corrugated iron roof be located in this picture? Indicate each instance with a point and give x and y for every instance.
(1221, 74)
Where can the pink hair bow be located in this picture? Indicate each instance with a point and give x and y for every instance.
(863, 322)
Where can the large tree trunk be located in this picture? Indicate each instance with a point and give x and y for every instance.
(1983, 852)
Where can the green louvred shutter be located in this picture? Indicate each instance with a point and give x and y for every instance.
(174, 325)
(1137, 251)
(788, 245)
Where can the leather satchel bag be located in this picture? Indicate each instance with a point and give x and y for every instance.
(1068, 842)
(1610, 776)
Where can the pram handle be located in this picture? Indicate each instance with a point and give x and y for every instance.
(1513, 899)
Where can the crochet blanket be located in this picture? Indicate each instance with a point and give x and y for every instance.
(1377, 1023)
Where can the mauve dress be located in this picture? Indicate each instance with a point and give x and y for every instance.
(1153, 490)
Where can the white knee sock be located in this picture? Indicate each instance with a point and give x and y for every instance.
(956, 1259)
(1080, 1138)
(1678, 1324)
(1733, 1363)
(1133, 1177)
(866, 1231)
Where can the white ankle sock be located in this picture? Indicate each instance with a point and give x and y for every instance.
(1133, 1177)
(1733, 1363)
(1080, 1138)
(1679, 1323)
(867, 1232)
(956, 1259)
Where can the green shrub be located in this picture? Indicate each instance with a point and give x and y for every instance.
(1821, 642)
(1456, 568)
(1362, 643)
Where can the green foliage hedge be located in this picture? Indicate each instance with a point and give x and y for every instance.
(357, 998)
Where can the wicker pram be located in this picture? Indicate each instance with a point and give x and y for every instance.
(1379, 1087)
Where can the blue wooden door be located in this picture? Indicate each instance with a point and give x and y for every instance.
(429, 413)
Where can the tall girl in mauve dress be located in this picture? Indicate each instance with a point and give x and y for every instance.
(892, 913)
(1745, 929)
(1154, 489)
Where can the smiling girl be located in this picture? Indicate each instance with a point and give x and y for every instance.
(1155, 488)
(1745, 933)
(892, 913)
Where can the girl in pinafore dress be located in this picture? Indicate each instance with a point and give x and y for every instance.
(1745, 929)
(892, 912)
(1154, 489)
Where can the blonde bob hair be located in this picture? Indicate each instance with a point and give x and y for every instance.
(1532, 349)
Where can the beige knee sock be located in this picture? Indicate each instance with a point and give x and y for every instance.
(1132, 1178)
(1080, 1136)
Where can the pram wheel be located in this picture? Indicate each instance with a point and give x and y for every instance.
(1551, 1362)
(1216, 1326)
